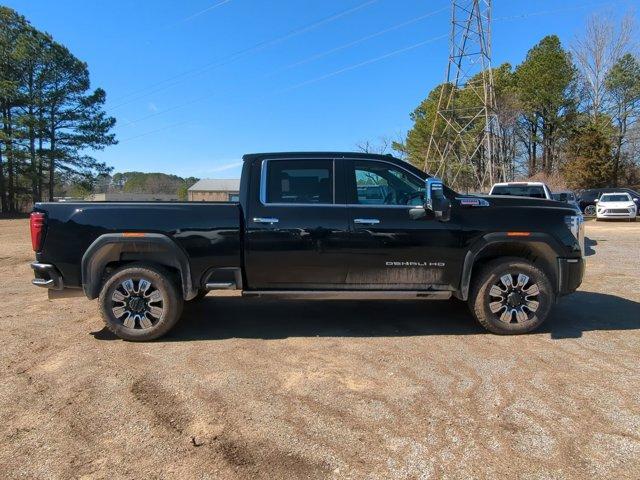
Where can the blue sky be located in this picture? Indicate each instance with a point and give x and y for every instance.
(196, 84)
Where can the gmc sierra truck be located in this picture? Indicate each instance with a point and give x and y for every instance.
(315, 226)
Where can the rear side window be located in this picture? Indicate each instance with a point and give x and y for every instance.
(299, 181)
(519, 191)
(590, 195)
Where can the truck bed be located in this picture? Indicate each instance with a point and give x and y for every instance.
(208, 232)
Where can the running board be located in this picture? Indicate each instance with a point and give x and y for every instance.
(220, 286)
(350, 295)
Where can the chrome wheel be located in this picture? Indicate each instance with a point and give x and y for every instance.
(138, 304)
(590, 210)
(514, 298)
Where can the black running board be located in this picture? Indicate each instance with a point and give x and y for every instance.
(350, 294)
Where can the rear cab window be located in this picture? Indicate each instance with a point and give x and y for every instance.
(302, 182)
(533, 191)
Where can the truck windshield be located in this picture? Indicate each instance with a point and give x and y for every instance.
(614, 198)
(535, 191)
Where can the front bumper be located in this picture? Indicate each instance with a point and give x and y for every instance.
(616, 213)
(47, 276)
(570, 274)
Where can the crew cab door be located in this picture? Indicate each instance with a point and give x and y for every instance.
(296, 226)
(389, 249)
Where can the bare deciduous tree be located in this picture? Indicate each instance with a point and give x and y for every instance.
(603, 43)
(381, 147)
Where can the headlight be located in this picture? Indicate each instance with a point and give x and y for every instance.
(575, 223)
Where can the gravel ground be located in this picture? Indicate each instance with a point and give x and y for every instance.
(291, 389)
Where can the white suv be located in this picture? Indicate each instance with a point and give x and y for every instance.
(616, 205)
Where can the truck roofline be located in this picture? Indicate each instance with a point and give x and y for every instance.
(325, 154)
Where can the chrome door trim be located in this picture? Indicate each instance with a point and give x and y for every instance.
(366, 221)
(270, 220)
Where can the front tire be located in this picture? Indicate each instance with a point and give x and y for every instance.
(590, 210)
(140, 302)
(510, 296)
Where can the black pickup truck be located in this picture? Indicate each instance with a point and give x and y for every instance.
(314, 225)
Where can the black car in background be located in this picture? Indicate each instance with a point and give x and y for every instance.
(587, 198)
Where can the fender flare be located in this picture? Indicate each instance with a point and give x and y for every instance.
(542, 243)
(154, 247)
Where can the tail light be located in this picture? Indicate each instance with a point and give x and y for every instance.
(37, 225)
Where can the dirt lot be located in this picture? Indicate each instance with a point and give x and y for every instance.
(267, 389)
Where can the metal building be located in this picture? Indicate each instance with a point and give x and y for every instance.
(215, 190)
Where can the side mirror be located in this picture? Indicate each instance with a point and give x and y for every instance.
(596, 200)
(436, 201)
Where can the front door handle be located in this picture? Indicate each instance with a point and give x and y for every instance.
(366, 221)
(270, 220)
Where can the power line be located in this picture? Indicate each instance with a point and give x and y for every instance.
(208, 9)
(363, 63)
(293, 87)
(166, 127)
(361, 40)
(239, 54)
(347, 68)
(332, 74)
(314, 57)
(558, 10)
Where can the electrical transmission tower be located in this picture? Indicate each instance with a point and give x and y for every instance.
(463, 147)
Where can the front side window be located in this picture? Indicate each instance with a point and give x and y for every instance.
(378, 183)
(299, 181)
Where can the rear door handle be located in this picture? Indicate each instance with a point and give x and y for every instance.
(366, 221)
(270, 220)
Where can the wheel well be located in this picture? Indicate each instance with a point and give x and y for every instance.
(174, 273)
(111, 251)
(540, 254)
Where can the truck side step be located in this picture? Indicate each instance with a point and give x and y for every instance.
(350, 295)
(220, 286)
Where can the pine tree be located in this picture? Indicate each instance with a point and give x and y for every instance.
(51, 119)
(543, 85)
(589, 157)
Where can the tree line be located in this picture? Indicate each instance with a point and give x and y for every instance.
(128, 182)
(50, 118)
(568, 116)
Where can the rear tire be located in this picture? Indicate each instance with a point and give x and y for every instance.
(140, 302)
(510, 296)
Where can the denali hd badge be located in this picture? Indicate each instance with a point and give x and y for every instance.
(415, 264)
